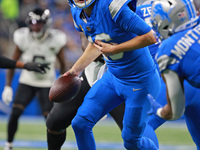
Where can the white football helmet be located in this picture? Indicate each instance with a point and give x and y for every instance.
(39, 21)
(80, 4)
(170, 16)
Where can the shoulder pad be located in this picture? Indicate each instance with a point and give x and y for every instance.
(164, 60)
(115, 6)
(20, 36)
(59, 37)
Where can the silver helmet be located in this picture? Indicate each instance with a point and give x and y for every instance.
(144, 2)
(170, 16)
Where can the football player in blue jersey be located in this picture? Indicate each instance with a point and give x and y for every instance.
(61, 114)
(131, 74)
(177, 24)
(192, 94)
(174, 62)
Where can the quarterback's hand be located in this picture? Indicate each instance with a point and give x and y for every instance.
(106, 48)
(7, 95)
(71, 72)
(37, 67)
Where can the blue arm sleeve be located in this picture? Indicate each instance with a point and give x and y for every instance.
(130, 21)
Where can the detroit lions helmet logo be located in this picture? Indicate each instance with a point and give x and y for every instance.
(158, 10)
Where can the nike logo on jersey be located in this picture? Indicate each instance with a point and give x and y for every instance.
(135, 89)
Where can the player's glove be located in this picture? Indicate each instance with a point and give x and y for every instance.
(154, 105)
(37, 67)
(7, 95)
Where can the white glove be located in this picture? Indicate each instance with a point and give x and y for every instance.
(7, 95)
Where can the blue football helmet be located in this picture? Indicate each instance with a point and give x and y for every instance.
(82, 4)
(171, 16)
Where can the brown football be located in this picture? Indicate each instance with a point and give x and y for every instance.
(65, 88)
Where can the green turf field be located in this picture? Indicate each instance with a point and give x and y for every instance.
(173, 135)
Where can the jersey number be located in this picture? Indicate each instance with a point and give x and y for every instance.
(38, 59)
(106, 38)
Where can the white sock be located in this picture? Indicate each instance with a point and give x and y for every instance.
(9, 144)
(159, 112)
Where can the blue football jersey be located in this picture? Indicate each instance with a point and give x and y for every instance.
(144, 11)
(181, 54)
(109, 23)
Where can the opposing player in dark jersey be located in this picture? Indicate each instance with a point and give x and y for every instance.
(36, 43)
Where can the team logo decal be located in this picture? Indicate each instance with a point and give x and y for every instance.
(88, 28)
(159, 10)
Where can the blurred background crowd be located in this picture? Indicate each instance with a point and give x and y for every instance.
(14, 12)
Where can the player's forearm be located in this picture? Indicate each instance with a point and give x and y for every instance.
(19, 64)
(136, 43)
(9, 76)
(16, 55)
(89, 55)
(175, 96)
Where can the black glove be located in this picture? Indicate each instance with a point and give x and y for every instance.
(37, 67)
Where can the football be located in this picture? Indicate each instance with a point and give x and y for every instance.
(65, 88)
